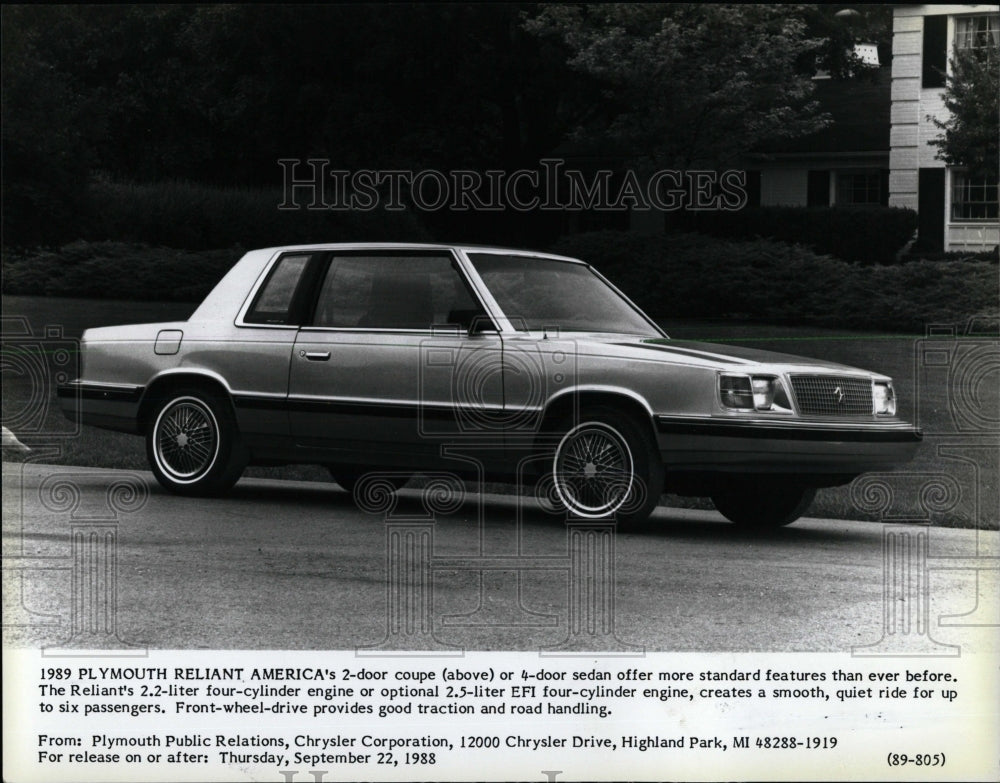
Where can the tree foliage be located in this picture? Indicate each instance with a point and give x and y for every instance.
(218, 93)
(692, 84)
(839, 29)
(47, 129)
(971, 133)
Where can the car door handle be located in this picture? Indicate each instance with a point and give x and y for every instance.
(316, 356)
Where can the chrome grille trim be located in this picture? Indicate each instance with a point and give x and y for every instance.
(833, 395)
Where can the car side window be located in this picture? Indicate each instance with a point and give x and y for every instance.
(394, 292)
(274, 303)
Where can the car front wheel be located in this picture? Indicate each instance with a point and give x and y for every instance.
(193, 444)
(607, 467)
(763, 503)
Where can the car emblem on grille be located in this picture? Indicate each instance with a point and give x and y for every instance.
(838, 395)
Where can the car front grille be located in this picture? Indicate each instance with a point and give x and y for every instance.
(832, 395)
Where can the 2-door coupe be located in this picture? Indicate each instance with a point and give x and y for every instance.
(494, 363)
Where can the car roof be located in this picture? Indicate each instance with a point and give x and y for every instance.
(240, 278)
(422, 246)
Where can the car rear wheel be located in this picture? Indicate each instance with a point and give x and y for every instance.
(607, 466)
(193, 444)
(763, 503)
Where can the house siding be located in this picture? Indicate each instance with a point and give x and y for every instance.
(903, 110)
(905, 22)
(907, 42)
(901, 150)
(907, 89)
(912, 129)
(906, 65)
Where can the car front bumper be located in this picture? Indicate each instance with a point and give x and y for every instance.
(756, 445)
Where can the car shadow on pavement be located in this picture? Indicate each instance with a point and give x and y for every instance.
(310, 493)
(498, 510)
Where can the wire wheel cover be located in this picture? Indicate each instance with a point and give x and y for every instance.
(187, 438)
(593, 470)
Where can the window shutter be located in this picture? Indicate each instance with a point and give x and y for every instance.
(935, 51)
(930, 208)
(818, 192)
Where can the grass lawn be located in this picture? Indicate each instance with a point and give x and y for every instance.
(957, 382)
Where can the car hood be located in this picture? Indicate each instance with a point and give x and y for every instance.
(731, 354)
(715, 355)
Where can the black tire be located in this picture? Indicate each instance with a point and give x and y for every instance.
(348, 477)
(762, 502)
(607, 466)
(193, 444)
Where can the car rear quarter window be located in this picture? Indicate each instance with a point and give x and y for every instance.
(275, 302)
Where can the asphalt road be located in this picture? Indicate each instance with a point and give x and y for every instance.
(295, 565)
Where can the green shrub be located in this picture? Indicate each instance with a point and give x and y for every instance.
(866, 235)
(993, 256)
(200, 217)
(669, 276)
(694, 276)
(117, 270)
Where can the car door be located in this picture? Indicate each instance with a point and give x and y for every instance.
(388, 369)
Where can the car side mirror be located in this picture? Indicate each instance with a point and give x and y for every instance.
(482, 324)
(472, 321)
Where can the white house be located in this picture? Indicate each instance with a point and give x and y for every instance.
(844, 164)
(876, 150)
(956, 211)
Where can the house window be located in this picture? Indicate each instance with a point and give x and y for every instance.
(859, 188)
(977, 32)
(974, 198)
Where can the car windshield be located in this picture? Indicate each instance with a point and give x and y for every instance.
(540, 293)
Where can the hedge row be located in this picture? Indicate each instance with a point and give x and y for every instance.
(693, 276)
(868, 235)
(116, 270)
(673, 276)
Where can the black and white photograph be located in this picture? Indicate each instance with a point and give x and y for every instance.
(500, 391)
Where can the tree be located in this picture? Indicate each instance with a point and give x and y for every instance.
(971, 137)
(838, 29)
(218, 93)
(47, 133)
(692, 84)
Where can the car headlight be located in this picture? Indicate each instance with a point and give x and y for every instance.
(753, 392)
(885, 399)
(736, 391)
(763, 393)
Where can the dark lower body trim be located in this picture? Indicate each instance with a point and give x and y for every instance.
(754, 429)
(99, 391)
